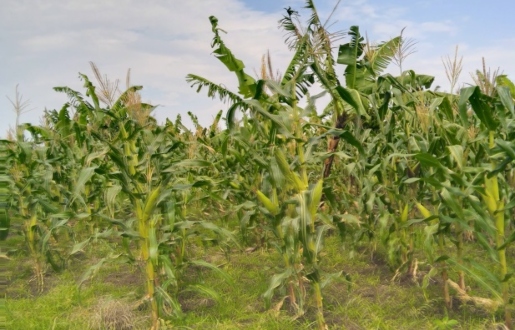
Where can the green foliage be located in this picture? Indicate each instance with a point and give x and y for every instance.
(418, 176)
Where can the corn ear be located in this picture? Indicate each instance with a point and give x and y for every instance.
(492, 187)
(267, 203)
(151, 203)
(283, 165)
(274, 199)
(422, 209)
(316, 196)
(404, 214)
(299, 184)
(291, 177)
(491, 195)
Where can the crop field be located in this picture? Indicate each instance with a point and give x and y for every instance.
(379, 203)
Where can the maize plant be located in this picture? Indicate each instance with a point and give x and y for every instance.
(5, 188)
(496, 114)
(294, 221)
(120, 176)
(27, 176)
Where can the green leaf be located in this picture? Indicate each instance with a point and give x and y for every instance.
(506, 147)
(457, 153)
(247, 84)
(411, 180)
(352, 97)
(349, 138)
(450, 201)
(465, 95)
(92, 271)
(204, 291)
(442, 258)
(84, 176)
(276, 281)
(507, 241)
(502, 80)
(349, 55)
(90, 90)
(190, 163)
(267, 203)
(79, 246)
(506, 98)
(5, 223)
(481, 274)
(170, 300)
(428, 160)
(277, 120)
(383, 55)
(350, 219)
(110, 196)
(216, 90)
(217, 270)
(445, 106)
(316, 196)
(482, 109)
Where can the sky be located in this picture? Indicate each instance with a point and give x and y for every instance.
(47, 43)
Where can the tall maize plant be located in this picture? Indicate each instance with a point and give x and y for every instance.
(5, 196)
(32, 173)
(461, 176)
(299, 230)
(496, 114)
(5, 220)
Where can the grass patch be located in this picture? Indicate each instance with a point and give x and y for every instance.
(114, 297)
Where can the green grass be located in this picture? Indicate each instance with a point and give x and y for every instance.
(369, 301)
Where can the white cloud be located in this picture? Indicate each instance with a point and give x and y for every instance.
(46, 43)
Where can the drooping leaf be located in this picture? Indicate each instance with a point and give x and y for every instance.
(247, 84)
(483, 110)
(352, 97)
(383, 54)
(506, 98)
(349, 55)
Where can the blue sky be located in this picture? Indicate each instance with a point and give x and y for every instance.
(47, 43)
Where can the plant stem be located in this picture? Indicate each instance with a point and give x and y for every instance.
(320, 306)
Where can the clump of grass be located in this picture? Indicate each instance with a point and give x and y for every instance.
(370, 300)
(113, 314)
